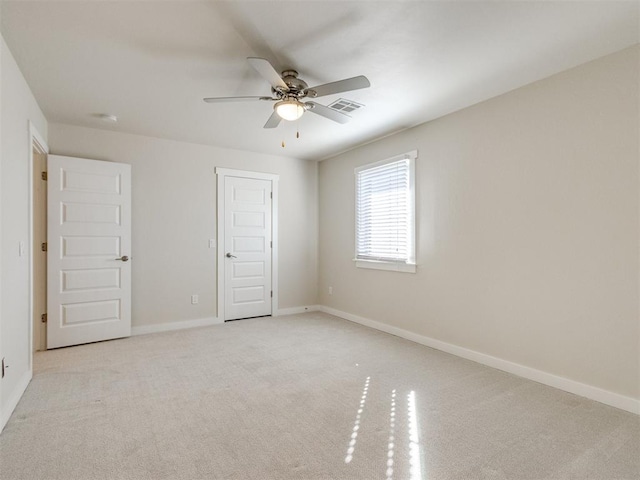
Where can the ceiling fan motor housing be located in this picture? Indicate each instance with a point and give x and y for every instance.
(297, 87)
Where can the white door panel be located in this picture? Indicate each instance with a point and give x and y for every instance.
(89, 237)
(248, 234)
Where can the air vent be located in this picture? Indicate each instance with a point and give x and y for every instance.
(345, 106)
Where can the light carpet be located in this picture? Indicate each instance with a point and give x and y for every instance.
(305, 396)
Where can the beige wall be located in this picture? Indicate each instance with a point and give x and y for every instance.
(18, 108)
(528, 228)
(174, 216)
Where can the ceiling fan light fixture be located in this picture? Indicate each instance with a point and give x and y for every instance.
(289, 109)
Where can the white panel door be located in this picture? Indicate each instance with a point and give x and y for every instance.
(247, 247)
(89, 244)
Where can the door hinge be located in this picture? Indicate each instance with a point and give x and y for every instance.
(43, 175)
(43, 246)
(271, 293)
(43, 318)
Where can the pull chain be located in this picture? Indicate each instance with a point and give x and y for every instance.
(297, 132)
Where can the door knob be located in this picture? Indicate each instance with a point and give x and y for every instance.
(230, 256)
(124, 258)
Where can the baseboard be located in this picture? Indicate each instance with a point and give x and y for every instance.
(295, 310)
(15, 397)
(204, 322)
(169, 326)
(594, 393)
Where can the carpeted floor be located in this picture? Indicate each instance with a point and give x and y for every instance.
(301, 397)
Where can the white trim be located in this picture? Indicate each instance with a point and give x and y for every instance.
(382, 265)
(221, 173)
(274, 239)
(412, 155)
(588, 391)
(12, 403)
(296, 310)
(38, 141)
(170, 326)
(34, 134)
(230, 172)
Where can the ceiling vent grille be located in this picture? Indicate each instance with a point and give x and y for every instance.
(345, 106)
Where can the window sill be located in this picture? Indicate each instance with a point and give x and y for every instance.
(380, 265)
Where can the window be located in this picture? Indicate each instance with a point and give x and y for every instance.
(385, 214)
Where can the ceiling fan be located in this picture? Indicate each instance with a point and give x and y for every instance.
(288, 91)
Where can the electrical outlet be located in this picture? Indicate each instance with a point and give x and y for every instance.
(194, 299)
(330, 290)
(212, 243)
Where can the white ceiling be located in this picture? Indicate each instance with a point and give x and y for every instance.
(151, 62)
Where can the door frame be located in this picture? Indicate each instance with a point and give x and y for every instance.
(221, 174)
(37, 141)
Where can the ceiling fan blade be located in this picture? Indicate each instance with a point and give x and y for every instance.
(235, 99)
(264, 68)
(346, 85)
(274, 120)
(327, 112)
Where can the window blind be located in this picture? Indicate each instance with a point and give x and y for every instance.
(384, 212)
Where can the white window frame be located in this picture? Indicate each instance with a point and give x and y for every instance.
(410, 265)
